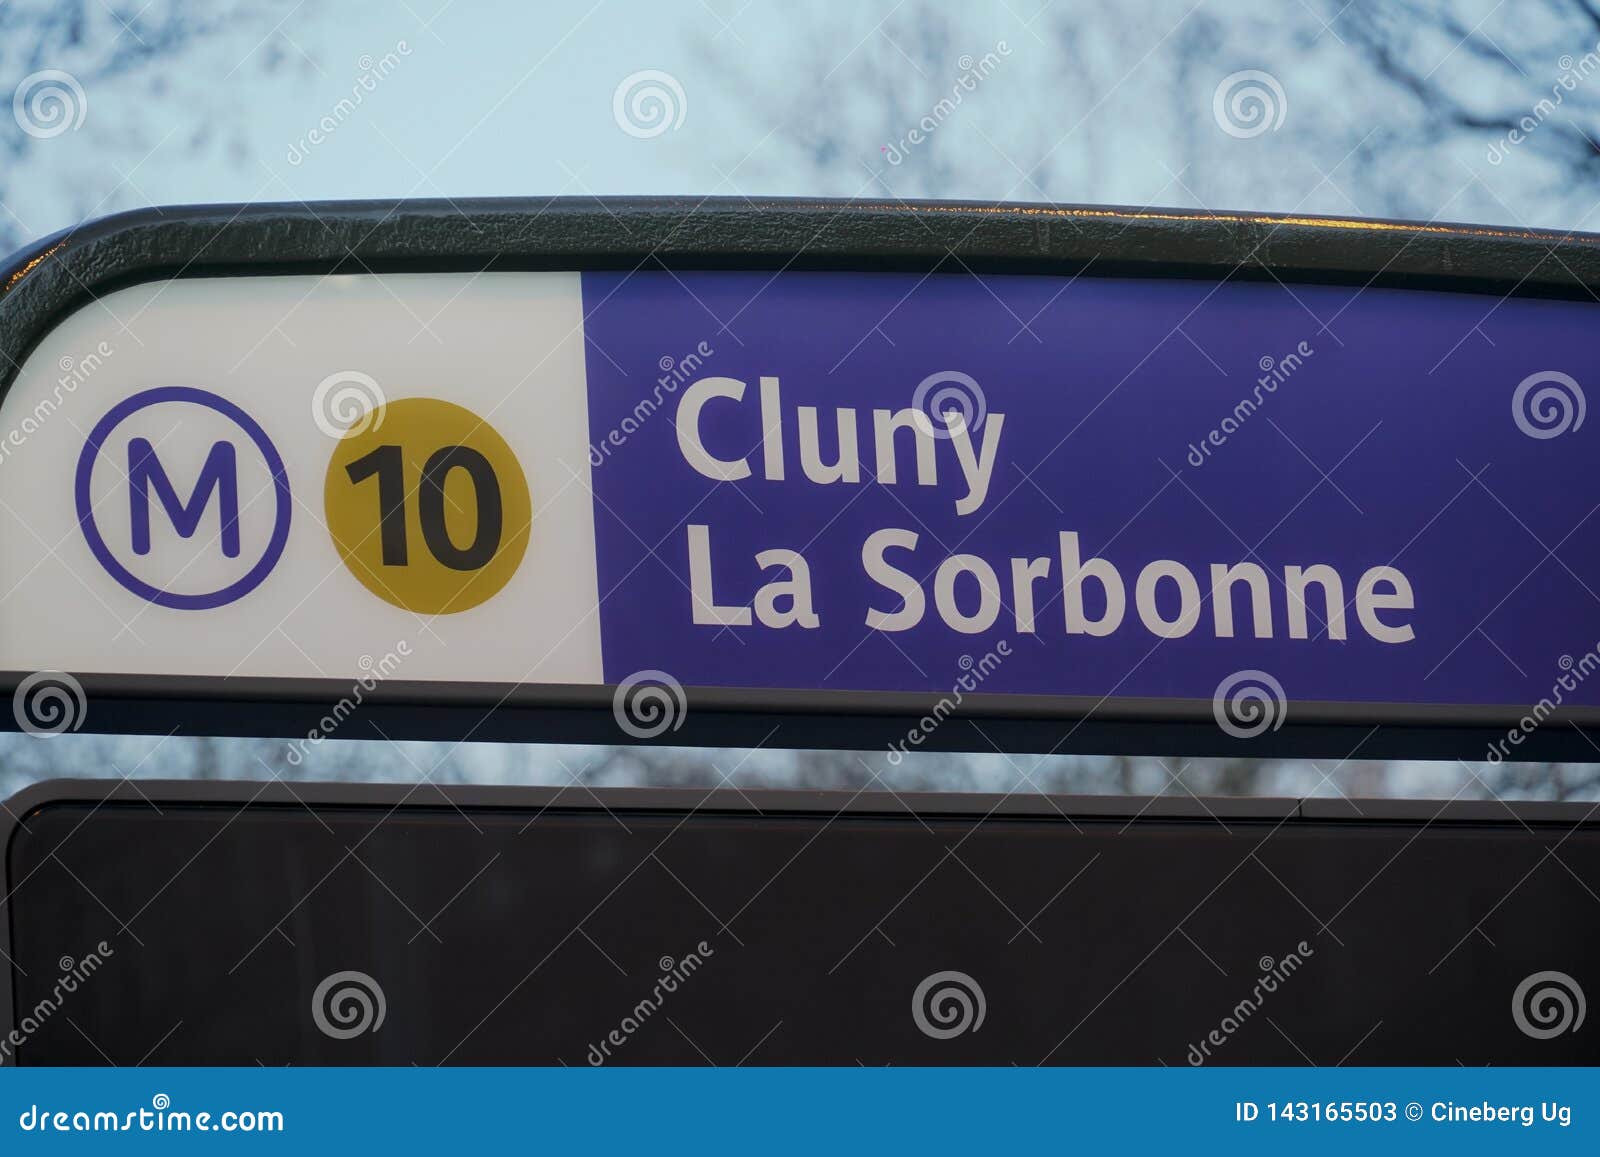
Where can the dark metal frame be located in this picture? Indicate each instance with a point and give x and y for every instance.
(43, 284)
(1338, 813)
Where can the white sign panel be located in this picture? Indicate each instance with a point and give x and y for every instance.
(165, 488)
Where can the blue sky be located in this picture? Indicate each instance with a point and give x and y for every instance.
(1090, 103)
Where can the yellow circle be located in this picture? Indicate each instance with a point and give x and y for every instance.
(427, 506)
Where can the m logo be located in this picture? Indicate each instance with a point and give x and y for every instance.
(220, 473)
(205, 492)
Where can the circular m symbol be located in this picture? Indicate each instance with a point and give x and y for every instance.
(183, 498)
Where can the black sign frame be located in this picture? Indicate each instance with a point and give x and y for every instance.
(41, 285)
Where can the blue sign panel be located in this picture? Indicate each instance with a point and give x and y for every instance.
(1110, 488)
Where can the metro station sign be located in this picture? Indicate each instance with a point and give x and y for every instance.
(1165, 482)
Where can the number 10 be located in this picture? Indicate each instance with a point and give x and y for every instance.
(388, 464)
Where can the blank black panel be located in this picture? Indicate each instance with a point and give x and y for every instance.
(526, 935)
